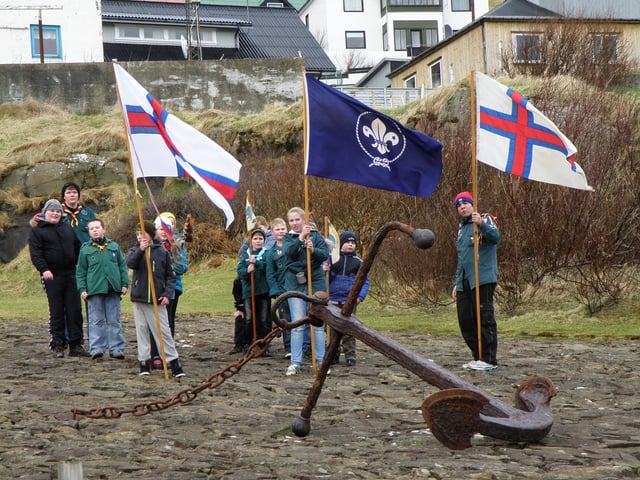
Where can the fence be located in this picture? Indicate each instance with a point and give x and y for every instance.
(383, 97)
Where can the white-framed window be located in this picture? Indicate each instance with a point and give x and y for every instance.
(605, 47)
(400, 39)
(162, 35)
(355, 39)
(51, 44)
(527, 47)
(352, 6)
(410, 82)
(423, 37)
(435, 73)
(414, 3)
(460, 5)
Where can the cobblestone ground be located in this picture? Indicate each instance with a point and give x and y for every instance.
(368, 423)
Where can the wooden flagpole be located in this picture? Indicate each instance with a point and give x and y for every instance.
(148, 250)
(306, 212)
(251, 277)
(474, 179)
(327, 273)
(309, 273)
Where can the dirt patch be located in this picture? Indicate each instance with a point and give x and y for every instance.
(367, 425)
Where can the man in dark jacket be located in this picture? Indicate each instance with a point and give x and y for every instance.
(54, 252)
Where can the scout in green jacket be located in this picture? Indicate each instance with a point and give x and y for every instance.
(488, 237)
(102, 277)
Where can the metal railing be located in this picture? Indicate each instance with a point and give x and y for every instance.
(383, 97)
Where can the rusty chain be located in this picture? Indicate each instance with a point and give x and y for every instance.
(188, 395)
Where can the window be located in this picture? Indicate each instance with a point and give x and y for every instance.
(460, 5)
(527, 47)
(355, 40)
(352, 5)
(410, 82)
(400, 39)
(414, 3)
(415, 38)
(605, 48)
(150, 35)
(51, 44)
(436, 74)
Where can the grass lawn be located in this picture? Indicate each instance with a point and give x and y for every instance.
(208, 294)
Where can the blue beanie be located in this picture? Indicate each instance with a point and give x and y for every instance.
(347, 237)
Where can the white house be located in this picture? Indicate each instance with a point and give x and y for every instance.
(67, 31)
(358, 34)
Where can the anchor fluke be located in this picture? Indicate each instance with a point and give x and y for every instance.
(453, 416)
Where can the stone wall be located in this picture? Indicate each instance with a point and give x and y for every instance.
(234, 86)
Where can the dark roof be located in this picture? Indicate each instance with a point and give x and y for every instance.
(263, 32)
(519, 9)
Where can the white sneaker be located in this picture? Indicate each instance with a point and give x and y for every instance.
(469, 364)
(481, 365)
(292, 370)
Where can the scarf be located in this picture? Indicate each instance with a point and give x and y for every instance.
(100, 243)
(72, 213)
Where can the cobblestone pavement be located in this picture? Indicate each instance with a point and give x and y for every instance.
(367, 425)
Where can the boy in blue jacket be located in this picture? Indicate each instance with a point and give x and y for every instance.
(341, 277)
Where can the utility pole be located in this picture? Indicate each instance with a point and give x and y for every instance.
(192, 11)
(39, 8)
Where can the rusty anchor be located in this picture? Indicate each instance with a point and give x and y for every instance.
(460, 409)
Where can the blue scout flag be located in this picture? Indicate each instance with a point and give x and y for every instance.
(349, 141)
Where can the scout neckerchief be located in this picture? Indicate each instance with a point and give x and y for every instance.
(100, 243)
(73, 213)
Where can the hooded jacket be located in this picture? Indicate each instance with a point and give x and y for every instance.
(342, 275)
(54, 247)
(163, 277)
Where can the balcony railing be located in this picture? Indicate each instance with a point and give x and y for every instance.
(382, 97)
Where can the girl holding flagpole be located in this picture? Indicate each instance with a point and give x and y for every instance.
(302, 243)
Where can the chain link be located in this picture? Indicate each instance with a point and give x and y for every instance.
(187, 395)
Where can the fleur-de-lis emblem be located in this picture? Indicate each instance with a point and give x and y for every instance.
(378, 130)
(380, 138)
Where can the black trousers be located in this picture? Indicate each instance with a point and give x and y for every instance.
(467, 320)
(65, 310)
(263, 320)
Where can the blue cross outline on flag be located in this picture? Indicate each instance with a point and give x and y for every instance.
(164, 146)
(515, 137)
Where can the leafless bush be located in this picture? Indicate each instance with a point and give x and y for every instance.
(593, 51)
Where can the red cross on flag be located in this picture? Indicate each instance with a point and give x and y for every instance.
(513, 136)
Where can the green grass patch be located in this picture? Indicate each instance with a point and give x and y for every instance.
(207, 293)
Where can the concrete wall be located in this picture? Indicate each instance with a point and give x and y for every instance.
(235, 86)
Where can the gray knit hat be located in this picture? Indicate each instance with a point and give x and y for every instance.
(52, 204)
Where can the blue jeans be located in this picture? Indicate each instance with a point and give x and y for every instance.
(105, 328)
(298, 308)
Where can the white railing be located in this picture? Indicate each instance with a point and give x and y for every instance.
(382, 97)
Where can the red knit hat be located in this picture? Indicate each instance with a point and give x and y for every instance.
(463, 196)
